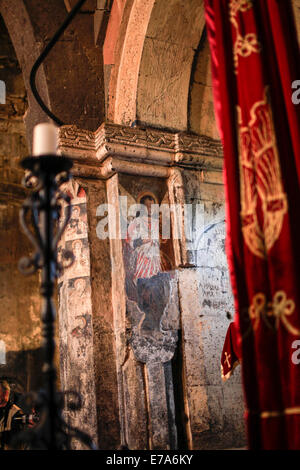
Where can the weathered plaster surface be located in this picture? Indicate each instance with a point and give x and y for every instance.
(133, 372)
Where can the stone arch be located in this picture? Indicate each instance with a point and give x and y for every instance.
(71, 79)
(154, 58)
(201, 118)
(20, 328)
(173, 35)
(16, 19)
(125, 81)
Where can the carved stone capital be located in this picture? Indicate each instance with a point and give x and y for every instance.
(134, 150)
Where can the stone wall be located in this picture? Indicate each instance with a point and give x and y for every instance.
(156, 374)
(75, 316)
(149, 70)
(20, 303)
(217, 408)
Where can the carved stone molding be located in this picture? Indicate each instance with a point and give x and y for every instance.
(200, 151)
(75, 140)
(114, 148)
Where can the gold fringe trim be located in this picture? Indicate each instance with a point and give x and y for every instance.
(229, 374)
(276, 414)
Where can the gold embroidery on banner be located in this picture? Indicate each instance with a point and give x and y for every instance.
(275, 414)
(230, 372)
(239, 5)
(280, 308)
(244, 45)
(260, 176)
(257, 309)
(227, 357)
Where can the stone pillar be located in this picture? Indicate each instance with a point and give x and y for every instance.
(76, 315)
(20, 325)
(143, 353)
(139, 397)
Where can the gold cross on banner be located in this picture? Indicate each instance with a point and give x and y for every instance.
(227, 357)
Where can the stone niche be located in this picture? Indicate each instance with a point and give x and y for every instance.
(142, 320)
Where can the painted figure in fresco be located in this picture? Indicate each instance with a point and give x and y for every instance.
(81, 262)
(147, 266)
(77, 226)
(79, 294)
(143, 238)
(79, 291)
(82, 330)
(71, 229)
(81, 221)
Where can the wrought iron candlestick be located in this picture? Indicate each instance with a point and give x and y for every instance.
(44, 207)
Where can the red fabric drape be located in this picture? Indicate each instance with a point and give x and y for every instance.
(255, 59)
(231, 353)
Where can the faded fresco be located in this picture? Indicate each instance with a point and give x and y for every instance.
(75, 311)
(77, 227)
(151, 282)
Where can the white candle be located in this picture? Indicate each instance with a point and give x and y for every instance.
(45, 139)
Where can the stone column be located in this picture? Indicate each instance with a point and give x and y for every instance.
(76, 316)
(136, 317)
(144, 353)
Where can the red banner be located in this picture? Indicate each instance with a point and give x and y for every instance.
(255, 60)
(231, 353)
